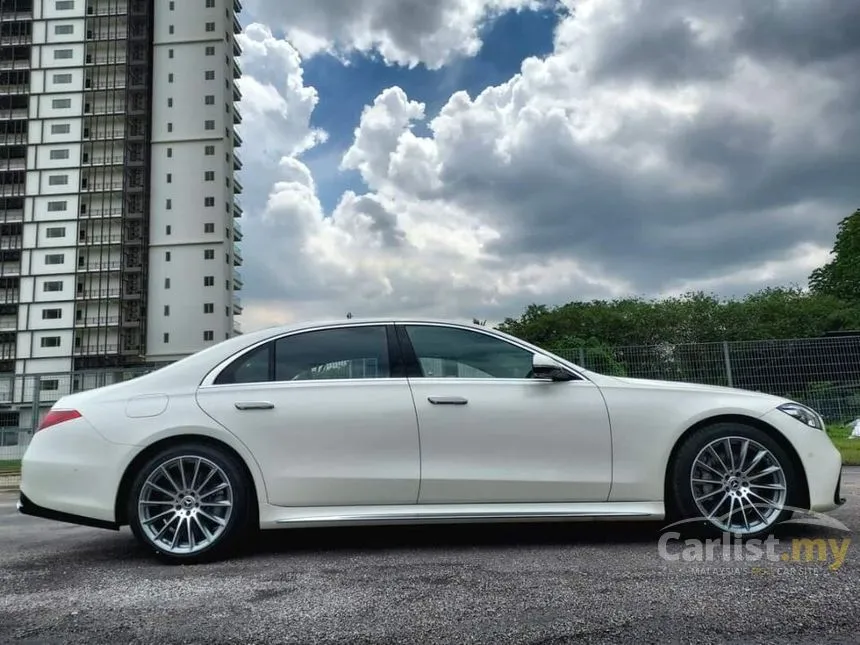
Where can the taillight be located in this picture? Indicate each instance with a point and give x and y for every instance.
(57, 416)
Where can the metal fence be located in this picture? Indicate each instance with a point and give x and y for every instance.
(821, 372)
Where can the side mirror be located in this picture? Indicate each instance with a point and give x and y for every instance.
(544, 367)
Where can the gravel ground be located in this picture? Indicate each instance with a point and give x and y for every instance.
(535, 584)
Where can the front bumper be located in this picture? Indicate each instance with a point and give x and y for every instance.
(27, 507)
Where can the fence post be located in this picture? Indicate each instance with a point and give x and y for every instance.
(728, 361)
(37, 389)
(582, 357)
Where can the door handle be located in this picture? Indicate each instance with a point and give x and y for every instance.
(254, 405)
(447, 400)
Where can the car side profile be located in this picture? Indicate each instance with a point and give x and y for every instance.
(387, 421)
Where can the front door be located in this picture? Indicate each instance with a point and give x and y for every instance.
(491, 433)
(324, 418)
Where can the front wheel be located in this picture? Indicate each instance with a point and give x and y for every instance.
(190, 503)
(733, 478)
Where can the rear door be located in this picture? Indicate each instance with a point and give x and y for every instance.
(326, 417)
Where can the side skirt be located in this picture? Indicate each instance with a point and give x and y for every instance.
(281, 517)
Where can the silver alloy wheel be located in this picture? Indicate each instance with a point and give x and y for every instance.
(738, 485)
(185, 504)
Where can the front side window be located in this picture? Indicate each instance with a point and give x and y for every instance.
(449, 352)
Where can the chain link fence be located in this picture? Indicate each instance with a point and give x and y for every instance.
(823, 373)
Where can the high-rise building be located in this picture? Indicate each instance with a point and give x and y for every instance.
(118, 209)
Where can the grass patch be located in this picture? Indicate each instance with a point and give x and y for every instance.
(850, 448)
(6, 466)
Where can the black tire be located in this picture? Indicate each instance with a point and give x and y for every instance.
(237, 527)
(683, 504)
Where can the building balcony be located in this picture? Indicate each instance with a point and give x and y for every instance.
(114, 265)
(9, 269)
(105, 135)
(98, 110)
(102, 240)
(237, 208)
(98, 294)
(8, 296)
(237, 328)
(237, 256)
(99, 321)
(237, 232)
(7, 217)
(102, 187)
(10, 242)
(107, 9)
(237, 26)
(237, 93)
(237, 6)
(7, 351)
(101, 213)
(237, 70)
(105, 84)
(13, 164)
(8, 65)
(16, 16)
(12, 190)
(237, 187)
(17, 89)
(11, 115)
(94, 350)
(237, 140)
(9, 323)
(238, 282)
(237, 162)
(237, 117)
(237, 305)
(106, 160)
(115, 59)
(10, 40)
(14, 138)
(107, 34)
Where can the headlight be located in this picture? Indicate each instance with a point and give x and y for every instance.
(803, 414)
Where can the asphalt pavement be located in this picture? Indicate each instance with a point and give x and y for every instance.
(537, 584)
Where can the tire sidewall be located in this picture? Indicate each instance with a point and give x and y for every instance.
(684, 502)
(238, 523)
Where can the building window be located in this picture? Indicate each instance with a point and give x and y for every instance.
(62, 79)
(208, 335)
(170, 127)
(62, 153)
(210, 26)
(172, 5)
(210, 4)
(209, 100)
(55, 258)
(55, 231)
(210, 74)
(209, 125)
(52, 286)
(63, 54)
(209, 151)
(50, 341)
(167, 229)
(209, 254)
(65, 5)
(61, 128)
(210, 50)
(52, 314)
(209, 308)
(54, 207)
(167, 283)
(167, 256)
(49, 385)
(64, 30)
(58, 180)
(170, 29)
(169, 153)
(166, 338)
(209, 281)
(170, 101)
(209, 175)
(170, 53)
(170, 178)
(61, 104)
(168, 205)
(209, 227)
(209, 202)
(170, 77)
(166, 310)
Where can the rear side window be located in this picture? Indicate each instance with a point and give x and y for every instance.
(345, 353)
(253, 367)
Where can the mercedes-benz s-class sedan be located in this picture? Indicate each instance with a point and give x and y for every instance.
(411, 421)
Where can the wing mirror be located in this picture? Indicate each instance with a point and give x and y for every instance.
(543, 367)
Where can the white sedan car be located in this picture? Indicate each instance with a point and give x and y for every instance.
(412, 421)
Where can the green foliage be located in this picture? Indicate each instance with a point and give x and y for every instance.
(692, 318)
(841, 276)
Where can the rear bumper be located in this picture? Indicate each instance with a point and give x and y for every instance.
(27, 507)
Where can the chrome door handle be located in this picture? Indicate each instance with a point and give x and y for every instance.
(447, 400)
(254, 405)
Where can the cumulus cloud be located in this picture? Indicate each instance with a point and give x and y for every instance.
(707, 145)
(402, 32)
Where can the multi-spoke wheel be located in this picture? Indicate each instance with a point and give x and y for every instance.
(734, 478)
(189, 503)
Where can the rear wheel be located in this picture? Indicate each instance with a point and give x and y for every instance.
(190, 503)
(734, 478)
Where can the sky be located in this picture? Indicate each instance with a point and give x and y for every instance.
(465, 158)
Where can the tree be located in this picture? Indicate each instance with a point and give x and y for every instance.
(840, 277)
